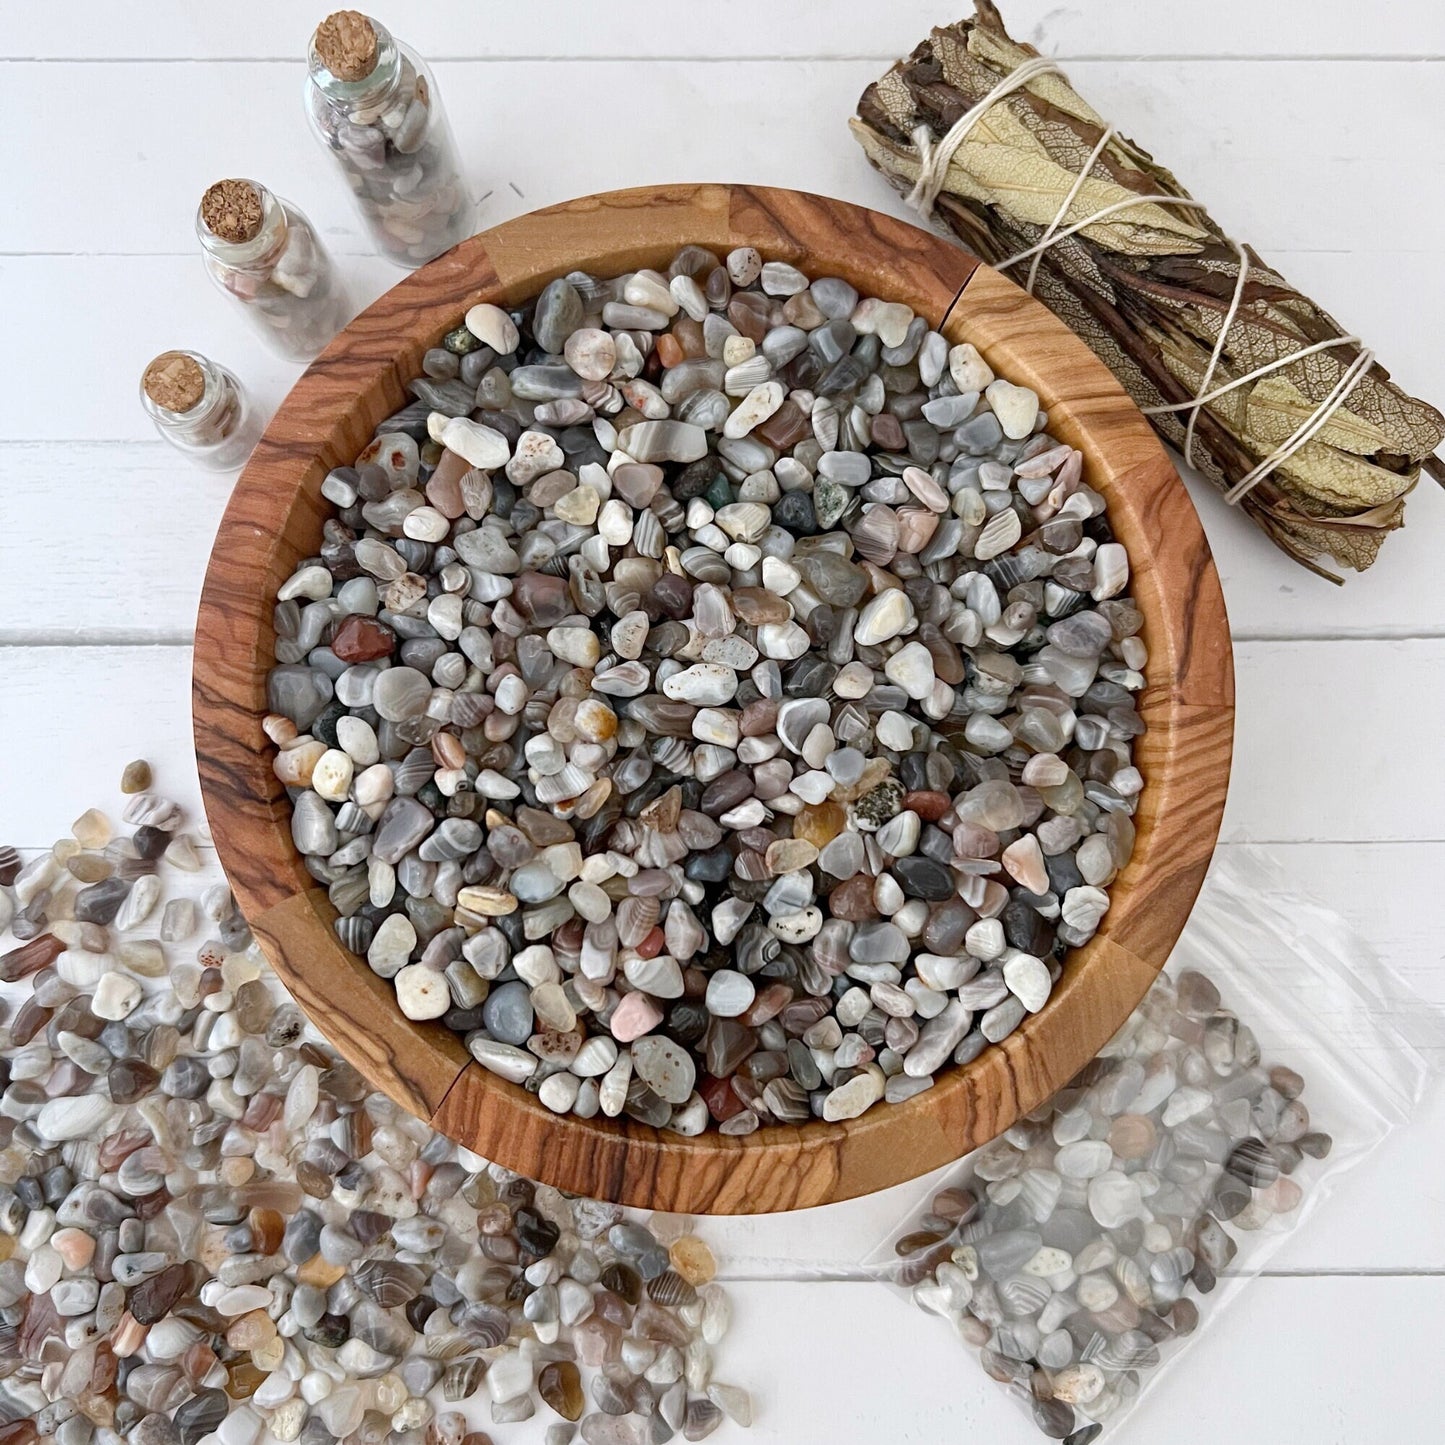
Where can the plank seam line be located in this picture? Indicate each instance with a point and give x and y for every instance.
(1420, 635)
(174, 639)
(835, 1275)
(337, 235)
(178, 637)
(779, 58)
(205, 845)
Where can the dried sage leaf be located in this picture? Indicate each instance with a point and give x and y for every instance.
(1149, 289)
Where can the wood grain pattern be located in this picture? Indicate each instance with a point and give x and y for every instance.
(275, 519)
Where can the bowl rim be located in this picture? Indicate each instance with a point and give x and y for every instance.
(276, 513)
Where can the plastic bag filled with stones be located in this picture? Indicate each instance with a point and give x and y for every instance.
(1078, 1253)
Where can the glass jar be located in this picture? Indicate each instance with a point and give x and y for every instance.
(200, 409)
(373, 103)
(265, 253)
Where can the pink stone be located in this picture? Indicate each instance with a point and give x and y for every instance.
(916, 527)
(597, 1341)
(634, 1016)
(74, 1246)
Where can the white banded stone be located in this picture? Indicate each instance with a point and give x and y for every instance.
(884, 617)
(493, 327)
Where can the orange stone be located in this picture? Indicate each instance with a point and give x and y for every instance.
(768, 1004)
(692, 1259)
(362, 639)
(690, 338)
(821, 823)
(198, 1362)
(560, 1385)
(267, 1226)
(318, 1272)
(721, 1102)
(128, 1336)
(447, 749)
(786, 426)
(444, 490)
(755, 606)
(802, 310)
(74, 1246)
(253, 1330)
(242, 1380)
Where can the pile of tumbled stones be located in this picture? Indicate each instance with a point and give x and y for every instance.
(714, 697)
(210, 1229)
(1068, 1251)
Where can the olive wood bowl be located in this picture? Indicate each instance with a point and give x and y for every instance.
(275, 518)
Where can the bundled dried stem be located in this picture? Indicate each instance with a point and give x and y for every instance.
(1150, 285)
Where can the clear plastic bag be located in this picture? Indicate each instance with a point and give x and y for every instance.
(1079, 1251)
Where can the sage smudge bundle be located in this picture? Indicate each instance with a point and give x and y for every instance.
(1258, 386)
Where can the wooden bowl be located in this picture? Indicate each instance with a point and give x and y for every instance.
(275, 518)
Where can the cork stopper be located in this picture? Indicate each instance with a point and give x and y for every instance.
(232, 210)
(346, 43)
(174, 381)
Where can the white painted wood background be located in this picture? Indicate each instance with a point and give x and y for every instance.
(1312, 127)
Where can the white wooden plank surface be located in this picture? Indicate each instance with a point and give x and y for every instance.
(1295, 779)
(1401, 1182)
(174, 29)
(142, 693)
(1295, 1361)
(127, 583)
(1320, 752)
(133, 187)
(135, 305)
(1313, 130)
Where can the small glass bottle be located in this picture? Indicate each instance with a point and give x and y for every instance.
(264, 252)
(200, 409)
(374, 105)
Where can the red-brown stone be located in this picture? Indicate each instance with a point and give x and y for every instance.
(362, 639)
(929, 806)
(721, 1102)
(768, 1004)
(888, 432)
(787, 426)
(30, 957)
(853, 900)
(652, 945)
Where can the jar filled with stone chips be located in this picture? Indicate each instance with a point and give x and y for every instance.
(200, 408)
(264, 253)
(374, 105)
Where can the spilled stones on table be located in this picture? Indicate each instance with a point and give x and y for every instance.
(211, 1229)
